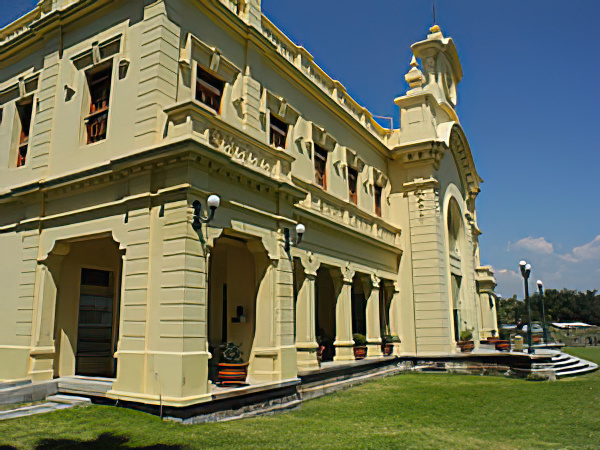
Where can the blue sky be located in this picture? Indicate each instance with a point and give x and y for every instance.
(528, 102)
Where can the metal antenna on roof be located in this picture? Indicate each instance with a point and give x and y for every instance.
(434, 20)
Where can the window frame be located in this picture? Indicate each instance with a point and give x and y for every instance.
(23, 139)
(207, 86)
(378, 199)
(353, 196)
(323, 155)
(105, 68)
(275, 130)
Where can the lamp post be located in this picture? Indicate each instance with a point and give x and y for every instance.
(540, 286)
(525, 272)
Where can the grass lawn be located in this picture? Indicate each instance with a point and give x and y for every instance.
(413, 410)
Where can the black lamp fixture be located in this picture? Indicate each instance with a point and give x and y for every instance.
(525, 272)
(288, 242)
(540, 286)
(213, 203)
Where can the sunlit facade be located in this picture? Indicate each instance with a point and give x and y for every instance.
(116, 116)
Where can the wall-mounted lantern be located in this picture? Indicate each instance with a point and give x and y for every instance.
(213, 203)
(288, 241)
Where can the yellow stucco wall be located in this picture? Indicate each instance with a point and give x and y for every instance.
(125, 202)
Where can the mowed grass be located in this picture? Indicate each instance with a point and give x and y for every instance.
(405, 411)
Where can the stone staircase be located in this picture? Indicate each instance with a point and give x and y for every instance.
(564, 365)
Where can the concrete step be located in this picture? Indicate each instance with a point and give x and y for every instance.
(27, 392)
(13, 384)
(589, 368)
(69, 399)
(86, 386)
(43, 408)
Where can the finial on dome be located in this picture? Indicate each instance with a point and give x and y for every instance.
(414, 77)
(435, 29)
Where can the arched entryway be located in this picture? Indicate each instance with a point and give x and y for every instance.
(234, 275)
(85, 275)
(359, 306)
(325, 304)
(455, 229)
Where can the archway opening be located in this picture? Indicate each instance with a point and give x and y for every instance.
(359, 306)
(325, 303)
(455, 250)
(232, 299)
(88, 291)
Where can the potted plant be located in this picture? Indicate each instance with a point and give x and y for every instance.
(232, 369)
(325, 352)
(466, 340)
(387, 344)
(360, 346)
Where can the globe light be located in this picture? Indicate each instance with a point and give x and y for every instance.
(214, 201)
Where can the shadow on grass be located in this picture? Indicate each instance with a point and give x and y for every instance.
(104, 441)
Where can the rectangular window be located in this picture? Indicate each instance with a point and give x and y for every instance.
(209, 89)
(25, 111)
(378, 193)
(353, 184)
(278, 133)
(99, 82)
(320, 158)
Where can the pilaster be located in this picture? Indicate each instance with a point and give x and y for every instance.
(132, 345)
(430, 287)
(159, 55)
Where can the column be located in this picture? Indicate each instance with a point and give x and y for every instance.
(397, 318)
(344, 344)
(306, 341)
(373, 318)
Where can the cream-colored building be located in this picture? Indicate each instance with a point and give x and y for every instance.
(116, 116)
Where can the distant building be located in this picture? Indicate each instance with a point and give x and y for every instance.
(575, 334)
(116, 116)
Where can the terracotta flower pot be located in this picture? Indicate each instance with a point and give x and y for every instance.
(387, 349)
(466, 346)
(231, 374)
(360, 352)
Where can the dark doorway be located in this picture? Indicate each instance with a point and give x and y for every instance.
(97, 324)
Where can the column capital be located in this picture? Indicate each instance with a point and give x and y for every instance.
(310, 263)
(347, 275)
(375, 281)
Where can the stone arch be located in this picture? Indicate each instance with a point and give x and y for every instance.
(79, 303)
(463, 314)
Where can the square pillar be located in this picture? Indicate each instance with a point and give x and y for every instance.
(344, 344)
(373, 318)
(306, 340)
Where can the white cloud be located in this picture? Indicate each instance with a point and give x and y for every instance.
(538, 245)
(509, 273)
(585, 252)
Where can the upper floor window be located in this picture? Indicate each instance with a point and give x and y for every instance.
(99, 83)
(209, 89)
(378, 195)
(353, 184)
(278, 132)
(25, 111)
(320, 161)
